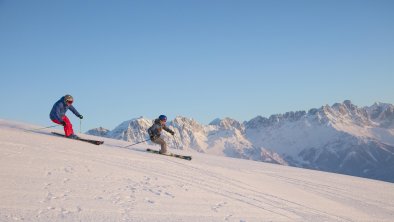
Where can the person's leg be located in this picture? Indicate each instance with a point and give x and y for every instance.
(55, 121)
(68, 128)
(162, 143)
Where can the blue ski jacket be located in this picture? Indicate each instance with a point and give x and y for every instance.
(60, 108)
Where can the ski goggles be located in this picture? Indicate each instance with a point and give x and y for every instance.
(69, 102)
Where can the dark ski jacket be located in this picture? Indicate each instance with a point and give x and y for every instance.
(156, 128)
(60, 108)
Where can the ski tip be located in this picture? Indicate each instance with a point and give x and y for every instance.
(95, 142)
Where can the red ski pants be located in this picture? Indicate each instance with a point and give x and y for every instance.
(68, 128)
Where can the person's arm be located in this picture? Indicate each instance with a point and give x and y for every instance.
(168, 130)
(75, 112)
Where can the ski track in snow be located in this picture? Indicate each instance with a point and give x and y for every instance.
(73, 181)
(214, 184)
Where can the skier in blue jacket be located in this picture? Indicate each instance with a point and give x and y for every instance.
(58, 114)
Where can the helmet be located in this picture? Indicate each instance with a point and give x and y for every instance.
(68, 99)
(163, 117)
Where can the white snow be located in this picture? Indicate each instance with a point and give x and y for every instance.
(49, 178)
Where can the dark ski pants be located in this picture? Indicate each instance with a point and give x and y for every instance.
(162, 143)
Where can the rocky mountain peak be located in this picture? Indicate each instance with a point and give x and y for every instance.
(100, 131)
(184, 123)
(226, 123)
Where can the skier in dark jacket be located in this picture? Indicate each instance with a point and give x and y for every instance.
(155, 132)
(58, 114)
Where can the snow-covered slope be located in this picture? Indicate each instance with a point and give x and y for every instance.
(48, 178)
(340, 138)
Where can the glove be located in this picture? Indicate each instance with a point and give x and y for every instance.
(152, 137)
(80, 116)
(172, 133)
(63, 123)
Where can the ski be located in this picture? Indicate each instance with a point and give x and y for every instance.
(170, 154)
(95, 142)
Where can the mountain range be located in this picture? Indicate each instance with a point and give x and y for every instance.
(342, 138)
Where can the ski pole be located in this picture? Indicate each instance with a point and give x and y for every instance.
(80, 125)
(136, 143)
(44, 128)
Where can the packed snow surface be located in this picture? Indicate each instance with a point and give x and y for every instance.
(49, 178)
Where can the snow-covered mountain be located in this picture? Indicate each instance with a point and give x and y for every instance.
(49, 178)
(223, 137)
(341, 138)
(100, 131)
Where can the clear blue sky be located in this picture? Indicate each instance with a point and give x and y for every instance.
(195, 58)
